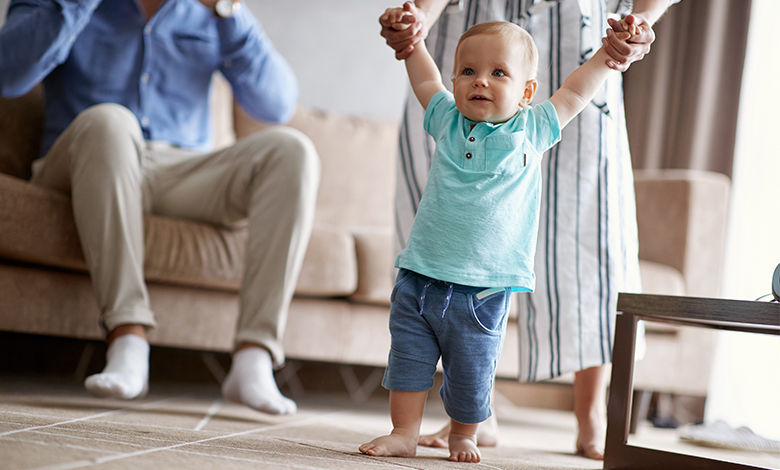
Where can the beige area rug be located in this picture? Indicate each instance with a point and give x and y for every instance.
(48, 424)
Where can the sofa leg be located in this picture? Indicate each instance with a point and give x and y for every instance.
(360, 392)
(86, 357)
(213, 366)
(288, 375)
(639, 408)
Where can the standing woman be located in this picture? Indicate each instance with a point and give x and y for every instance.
(587, 242)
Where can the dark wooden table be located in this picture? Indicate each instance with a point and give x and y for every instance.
(735, 315)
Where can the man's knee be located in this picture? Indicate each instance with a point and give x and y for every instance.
(294, 157)
(107, 138)
(107, 118)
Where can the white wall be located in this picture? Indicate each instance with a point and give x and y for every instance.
(334, 46)
(342, 63)
(746, 376)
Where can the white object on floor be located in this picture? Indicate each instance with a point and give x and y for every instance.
(720, 434)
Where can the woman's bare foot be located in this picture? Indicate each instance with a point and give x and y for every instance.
(590, 410)
(437, 439)
(487, 432)
(487, 435)
(463, 448)
(392, 445)
(590, 439)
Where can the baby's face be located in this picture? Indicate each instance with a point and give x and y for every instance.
(489, 78)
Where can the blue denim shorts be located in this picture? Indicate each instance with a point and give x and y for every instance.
(431, 318)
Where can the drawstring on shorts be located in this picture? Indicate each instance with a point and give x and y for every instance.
(446, 300)
(422, 296)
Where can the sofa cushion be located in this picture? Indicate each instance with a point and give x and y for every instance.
(357, 155)
(38, 228)
(330, 265)
(197, 254)
(374, 248)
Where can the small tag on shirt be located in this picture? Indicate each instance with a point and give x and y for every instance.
(488, 292)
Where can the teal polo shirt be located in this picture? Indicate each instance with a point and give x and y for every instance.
(478, 218)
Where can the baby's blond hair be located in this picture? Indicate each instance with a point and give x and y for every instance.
(510, 32)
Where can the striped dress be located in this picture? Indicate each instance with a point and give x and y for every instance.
(587, 241)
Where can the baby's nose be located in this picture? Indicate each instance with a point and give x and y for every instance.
(481, 81)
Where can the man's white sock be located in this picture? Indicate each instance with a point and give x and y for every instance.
(127, 370)
(251, 382)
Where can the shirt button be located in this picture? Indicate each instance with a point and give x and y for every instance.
(472, 139)
(468, 155)
(145, 77)
(144, 121)
(148, 30)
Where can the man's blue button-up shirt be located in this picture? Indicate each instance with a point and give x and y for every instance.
(91, 51)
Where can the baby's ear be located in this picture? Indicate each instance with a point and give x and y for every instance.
(528, 92)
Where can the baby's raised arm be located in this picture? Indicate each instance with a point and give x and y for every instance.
(423, 73)
(582, 85)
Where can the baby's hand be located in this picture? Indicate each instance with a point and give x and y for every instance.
(632, 28)
(616, 44)
(402, 28)
(627, 41)
(397, 18)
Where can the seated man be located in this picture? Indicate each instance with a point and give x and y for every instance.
(127, 132)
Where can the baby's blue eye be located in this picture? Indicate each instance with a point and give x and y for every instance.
(498, 73)
(468, 71)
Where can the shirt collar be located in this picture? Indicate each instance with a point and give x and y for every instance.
(483, 128)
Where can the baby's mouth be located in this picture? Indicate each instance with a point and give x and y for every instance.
(478, 98)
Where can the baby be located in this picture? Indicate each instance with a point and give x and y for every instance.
(474, 235)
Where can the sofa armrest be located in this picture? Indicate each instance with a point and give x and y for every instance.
(682, 217)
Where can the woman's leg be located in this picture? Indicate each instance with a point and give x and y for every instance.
(590, 409)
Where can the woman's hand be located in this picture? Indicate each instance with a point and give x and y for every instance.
(624, 50)
(402, 39)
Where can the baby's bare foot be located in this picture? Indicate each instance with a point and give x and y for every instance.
(392, 445)
(463, 448)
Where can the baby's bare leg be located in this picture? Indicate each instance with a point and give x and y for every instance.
(463, 442)
(487, 432)
(406, 410)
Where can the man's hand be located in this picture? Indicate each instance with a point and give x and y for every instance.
(403, 39)
(629, 40)
(212, 4)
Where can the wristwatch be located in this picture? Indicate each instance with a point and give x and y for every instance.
(226, 8)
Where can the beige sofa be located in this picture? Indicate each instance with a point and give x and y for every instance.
(339, 313)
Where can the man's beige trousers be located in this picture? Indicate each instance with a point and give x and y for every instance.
(268, 181)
